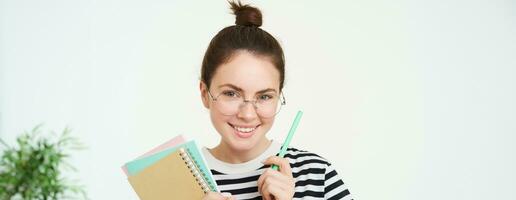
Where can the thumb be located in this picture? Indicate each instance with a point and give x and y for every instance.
(227, 196)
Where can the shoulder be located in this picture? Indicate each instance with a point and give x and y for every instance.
(315, 176)
(303, 162)
(306, 164)
(303, 156)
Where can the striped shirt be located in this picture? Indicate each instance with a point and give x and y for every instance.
(315, 177)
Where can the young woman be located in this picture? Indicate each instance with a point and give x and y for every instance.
(241, 84)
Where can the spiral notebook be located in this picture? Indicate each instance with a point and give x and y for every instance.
(178, 172)
(168, 144)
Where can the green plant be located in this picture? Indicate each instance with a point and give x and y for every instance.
(34, 169)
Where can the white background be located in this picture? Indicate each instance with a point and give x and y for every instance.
(408, 99)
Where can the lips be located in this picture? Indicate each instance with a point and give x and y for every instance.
(244, 131)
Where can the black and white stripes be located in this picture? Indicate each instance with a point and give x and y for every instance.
(315, 177)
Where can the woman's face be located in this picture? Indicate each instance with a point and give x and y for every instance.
(248, 75)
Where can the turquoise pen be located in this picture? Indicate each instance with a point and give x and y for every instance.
(289, 137)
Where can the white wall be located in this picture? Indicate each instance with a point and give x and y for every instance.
(408, 99)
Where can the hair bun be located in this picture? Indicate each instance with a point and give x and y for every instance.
(246, 15)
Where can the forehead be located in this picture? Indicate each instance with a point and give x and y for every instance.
(247, 71)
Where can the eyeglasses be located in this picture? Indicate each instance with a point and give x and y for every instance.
(267, 105)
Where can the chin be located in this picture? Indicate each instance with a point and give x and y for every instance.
(241, 146)
(239, 143)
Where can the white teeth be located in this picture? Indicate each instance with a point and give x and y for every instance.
(244, 130)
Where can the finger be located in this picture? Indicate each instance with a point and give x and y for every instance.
(227, 195)
(283, 163)
(213, 195)
(260, 180)
(276, 192)
(265, 193)
(265, 174)
(282, 185)
(272, 188)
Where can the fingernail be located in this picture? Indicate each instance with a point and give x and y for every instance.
(226, 194)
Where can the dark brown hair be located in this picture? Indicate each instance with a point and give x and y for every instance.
(245, 35)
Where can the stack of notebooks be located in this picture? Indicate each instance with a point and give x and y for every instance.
(175, 169)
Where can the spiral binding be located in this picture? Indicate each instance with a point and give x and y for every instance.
(193, 165)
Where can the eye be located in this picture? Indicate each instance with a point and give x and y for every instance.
(231, 93)
(265, 97)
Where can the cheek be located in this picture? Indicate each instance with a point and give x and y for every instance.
(267, 123)
(268, 120)
(218, 120)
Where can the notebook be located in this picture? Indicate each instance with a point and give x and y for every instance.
(170, 143)
(176, 172)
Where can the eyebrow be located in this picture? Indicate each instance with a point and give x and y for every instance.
(241, 90)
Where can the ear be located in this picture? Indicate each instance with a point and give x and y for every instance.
(204, 94)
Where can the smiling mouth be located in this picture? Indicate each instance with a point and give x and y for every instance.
(242, 129)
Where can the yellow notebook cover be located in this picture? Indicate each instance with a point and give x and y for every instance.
(169, 178)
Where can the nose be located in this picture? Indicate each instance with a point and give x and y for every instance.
(247, 111)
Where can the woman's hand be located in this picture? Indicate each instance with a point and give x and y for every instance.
(218, 196)
(278, 185)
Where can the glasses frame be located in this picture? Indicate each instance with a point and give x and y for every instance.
(253, 102)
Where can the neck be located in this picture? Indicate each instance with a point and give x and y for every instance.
(225, 153)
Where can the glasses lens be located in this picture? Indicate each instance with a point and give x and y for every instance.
(266, 106)
(269, 108)
(228, 102)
